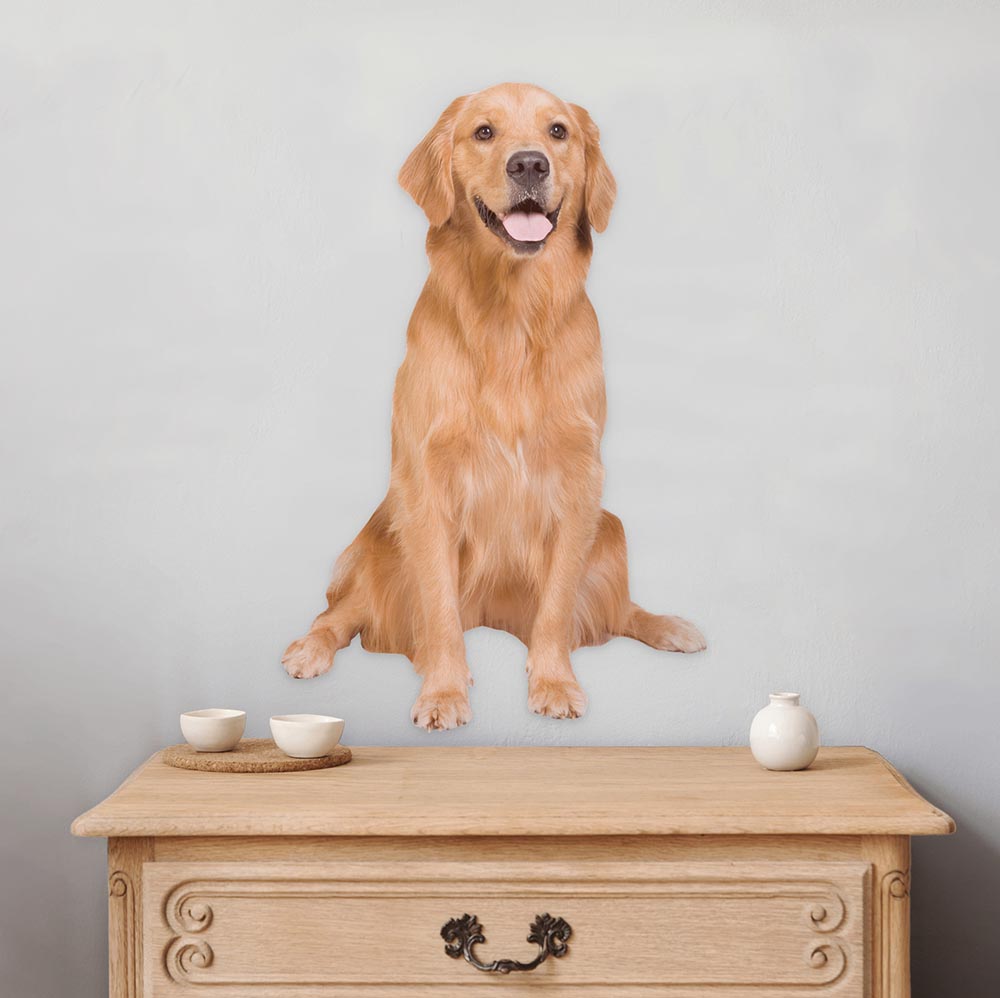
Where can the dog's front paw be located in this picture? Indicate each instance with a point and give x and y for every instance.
(556, 697)
(439, 710)
(307, 657)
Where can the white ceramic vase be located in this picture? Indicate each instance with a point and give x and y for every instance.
(784, 735)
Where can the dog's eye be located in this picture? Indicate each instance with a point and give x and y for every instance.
(484, 133)
(558, 131)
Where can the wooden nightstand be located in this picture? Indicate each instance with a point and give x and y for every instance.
(674, 872)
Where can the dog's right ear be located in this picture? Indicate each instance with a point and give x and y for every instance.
(426, 174)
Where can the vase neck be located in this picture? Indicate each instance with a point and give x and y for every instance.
(785, 699)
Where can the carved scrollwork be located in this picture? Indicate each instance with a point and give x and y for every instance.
(186, 914)
(896, 884)
(827, 914)
(549, 934)
(194, 916)
(119, 884)
(829, 958)
(185, 956)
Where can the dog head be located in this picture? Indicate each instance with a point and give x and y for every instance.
(519, 163)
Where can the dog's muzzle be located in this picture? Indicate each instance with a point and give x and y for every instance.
(524, 226)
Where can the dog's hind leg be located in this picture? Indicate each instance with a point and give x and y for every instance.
(663, 631)
(604, 609)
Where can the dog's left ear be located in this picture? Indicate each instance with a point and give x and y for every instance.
(426, 174)
(599, 188)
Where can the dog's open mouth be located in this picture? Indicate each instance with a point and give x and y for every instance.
(525, 226)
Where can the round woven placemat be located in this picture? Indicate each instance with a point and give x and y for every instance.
(252, 755)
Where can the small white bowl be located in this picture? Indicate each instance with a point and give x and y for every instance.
(213, 730)
(306, 736)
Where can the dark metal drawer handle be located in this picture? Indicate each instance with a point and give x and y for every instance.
(548, 933)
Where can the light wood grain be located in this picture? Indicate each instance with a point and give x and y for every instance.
(125, 884)
(526, 791)
(795, 927)
(890, 910)
(536, 848)
(685, 873)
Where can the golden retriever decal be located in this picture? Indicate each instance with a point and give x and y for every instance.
(493, 515)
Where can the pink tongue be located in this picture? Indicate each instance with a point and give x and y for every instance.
(527, 228)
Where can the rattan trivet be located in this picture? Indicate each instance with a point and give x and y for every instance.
(252, 755)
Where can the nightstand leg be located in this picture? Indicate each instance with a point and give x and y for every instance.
(125, 859)
(890, 859)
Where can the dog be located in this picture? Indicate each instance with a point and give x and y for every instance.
(493, 514)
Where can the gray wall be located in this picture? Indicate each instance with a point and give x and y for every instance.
(206, 269)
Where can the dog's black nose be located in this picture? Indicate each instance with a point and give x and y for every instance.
(528, 167)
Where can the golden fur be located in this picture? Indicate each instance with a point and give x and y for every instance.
(493, 514)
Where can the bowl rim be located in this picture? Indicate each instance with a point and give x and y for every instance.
(214, 714)
(304, 719)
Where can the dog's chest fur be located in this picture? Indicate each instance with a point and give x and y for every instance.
(516, 481)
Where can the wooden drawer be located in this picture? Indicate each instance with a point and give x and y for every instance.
(373, 930)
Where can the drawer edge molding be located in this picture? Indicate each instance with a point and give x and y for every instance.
(188, 908)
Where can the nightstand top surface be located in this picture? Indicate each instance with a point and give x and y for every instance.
(526, 791)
